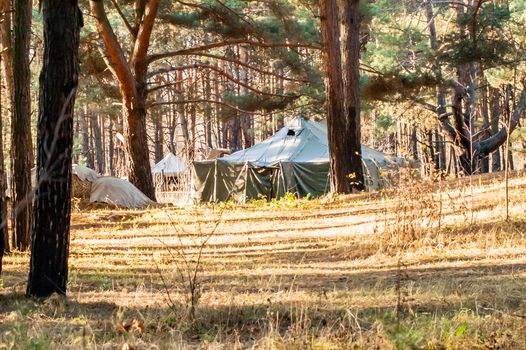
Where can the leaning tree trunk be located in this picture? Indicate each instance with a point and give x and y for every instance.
(22, 147)
(48, 272)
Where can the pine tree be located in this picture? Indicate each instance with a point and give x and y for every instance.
(59, 81)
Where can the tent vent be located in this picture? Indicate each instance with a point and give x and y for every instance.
(291, 133)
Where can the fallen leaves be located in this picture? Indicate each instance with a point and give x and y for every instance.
(134, 326)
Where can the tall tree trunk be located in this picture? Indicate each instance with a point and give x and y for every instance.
(343, 93)
(352, 19)
(48, 272)
(441, 97)
(22, 148)
(4, 239)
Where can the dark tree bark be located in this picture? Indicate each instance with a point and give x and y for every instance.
(110, 149)
(352, 157)
(22, 148)
(4, 243)
(495, 120)
(48, 272)
(136, 148)
(158, 138)
(342, 56)
(486, 132)
(207, 110)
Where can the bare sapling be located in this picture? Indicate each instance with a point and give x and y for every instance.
(185, 258)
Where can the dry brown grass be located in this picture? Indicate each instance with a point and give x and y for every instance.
(383, 270)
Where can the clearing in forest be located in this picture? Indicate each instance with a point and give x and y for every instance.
(425, 266)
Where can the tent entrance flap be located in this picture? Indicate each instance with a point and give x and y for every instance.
(302, 179)
(219, 181)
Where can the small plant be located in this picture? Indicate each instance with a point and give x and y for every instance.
(186, 262)
(413, 214)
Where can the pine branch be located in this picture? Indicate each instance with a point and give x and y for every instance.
(203, 101)
(197, 49)
(235, 61)
(492, 143)
(227, 76)
(131, 29)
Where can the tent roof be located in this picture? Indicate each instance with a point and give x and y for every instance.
(169, 165)
(299, 141)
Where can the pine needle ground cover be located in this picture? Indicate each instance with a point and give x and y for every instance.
(424, 266)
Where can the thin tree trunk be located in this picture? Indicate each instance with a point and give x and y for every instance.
(97, 141)
(48, 272)
(484, 163)
(111, 149)
(495, 120)
(243, 77)
(441, 150)
(84, 137)
(181, 114)
(158, 138)
(207, 111)
(102, 124)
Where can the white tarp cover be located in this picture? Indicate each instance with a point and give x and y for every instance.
(85, 173)
(108, 189)
(169, 166)
(112, 190)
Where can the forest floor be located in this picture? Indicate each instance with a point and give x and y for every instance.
(427, 265)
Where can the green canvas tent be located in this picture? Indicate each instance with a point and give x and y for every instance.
(295, 160)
